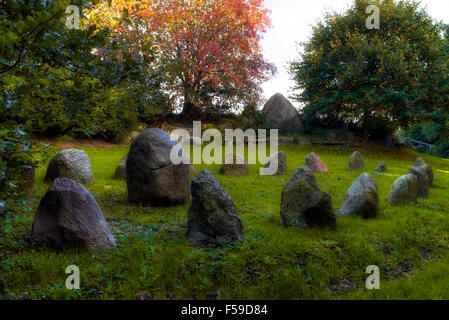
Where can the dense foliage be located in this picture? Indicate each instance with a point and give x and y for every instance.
(380, 79)
(208, 51)
(54, 82)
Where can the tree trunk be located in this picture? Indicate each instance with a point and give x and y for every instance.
(189, 110)
(388, 140)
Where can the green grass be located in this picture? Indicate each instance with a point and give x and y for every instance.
(408, 243)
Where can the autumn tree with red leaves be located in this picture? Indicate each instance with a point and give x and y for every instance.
(208, 51)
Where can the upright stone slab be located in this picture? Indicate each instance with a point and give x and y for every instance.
(429, 171)
(404, 190)
(314, 162)
(69, 216)
(423, 181)
(282, 114)
(281, 159)
(120, 172)
(212, 216)
(356, 162)
(304, 205)
(152, 178)
(362, 198)
(71, 164)
(234, 165)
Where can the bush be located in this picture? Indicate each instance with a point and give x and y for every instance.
(15, 158)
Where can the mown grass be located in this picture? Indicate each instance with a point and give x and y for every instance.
(274, 262)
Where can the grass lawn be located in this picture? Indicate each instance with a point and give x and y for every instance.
(408, 243)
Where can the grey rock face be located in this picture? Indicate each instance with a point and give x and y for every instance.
(356, 162)
(71, 164)
(69, 216)
(212, 216)
(423, 181)
(282, 114)
(234, 165)
(151, 177)
(404, 190)
(304, 205)
(120, 172)
(362, 198)
(381, 167)
(281, 159)
(314, 162)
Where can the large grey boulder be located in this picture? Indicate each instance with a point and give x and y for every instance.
(404, 190)
(120, 172)
(362, 198)
(304, 205)
(314, 162)
(71, 164)
(234, 165)
(212, 216)
(69, 216)
(356, 162)
(282, 114)
(281, 159)
(151, 177)
(424, 182)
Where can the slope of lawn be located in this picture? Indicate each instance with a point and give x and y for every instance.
(408, 243)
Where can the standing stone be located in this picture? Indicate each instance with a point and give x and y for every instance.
(151, 177)
(281, 159)
(212, 216)
(304, 205)
(69, 216)
(314, 162)
(356, 162)
(235, 165)
(71, 164)
(423, 181)
(381, 167)
(282, 114)
(362, 198)
(404, 190)
(120, 172)
(429, 171)
(419, 162)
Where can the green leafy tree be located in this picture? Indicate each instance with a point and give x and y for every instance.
(381, 79)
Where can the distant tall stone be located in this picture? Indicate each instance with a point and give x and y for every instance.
(212, 216)
(356, 162)
(280, 159)
(282, 114)
(71, 164)
(304, 205)
(234, 165)
(423, 181)
(120, 172)
(404, 190)
(362, 198)
(152, 178)
(314, 162)
(69, 216)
